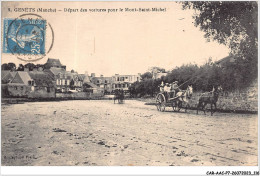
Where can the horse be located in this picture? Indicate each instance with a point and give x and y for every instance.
(119, 95)
(184, 96)
(209, 98)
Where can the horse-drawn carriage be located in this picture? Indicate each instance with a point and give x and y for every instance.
(183, 98)
(164, 99)
(119, 95)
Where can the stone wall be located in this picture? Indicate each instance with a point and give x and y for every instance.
(79, 95)
(18, 90)
(42, 93)
(238, 100)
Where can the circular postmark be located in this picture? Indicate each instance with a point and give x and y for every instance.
(29, 37)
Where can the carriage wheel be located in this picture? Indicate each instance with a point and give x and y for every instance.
(160, 102)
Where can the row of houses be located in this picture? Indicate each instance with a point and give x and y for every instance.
(109, 84)
(53, 78)
(27, 84)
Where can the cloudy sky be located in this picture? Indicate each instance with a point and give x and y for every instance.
(122, 42)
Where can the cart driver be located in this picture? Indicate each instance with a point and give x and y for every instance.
(175, 88)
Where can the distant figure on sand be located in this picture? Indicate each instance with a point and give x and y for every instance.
(119, 95)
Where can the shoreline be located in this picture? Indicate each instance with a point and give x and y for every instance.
(146, 101)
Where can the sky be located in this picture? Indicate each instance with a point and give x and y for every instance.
(121, 42)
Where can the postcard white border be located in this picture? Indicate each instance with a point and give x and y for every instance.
(122, 170)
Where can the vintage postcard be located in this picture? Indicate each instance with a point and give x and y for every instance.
(130, 84)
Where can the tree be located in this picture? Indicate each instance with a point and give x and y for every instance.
(9, 66)
(30, 66)
(146, 75)
(39, 66)
(157, 70)
(229, 23)
(21, 67)
(4, 67)
(233, 24)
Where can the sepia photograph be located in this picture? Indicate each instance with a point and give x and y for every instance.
(130, 84)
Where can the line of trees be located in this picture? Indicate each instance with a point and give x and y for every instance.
(230, 75)
(233, 24)
(13, 67)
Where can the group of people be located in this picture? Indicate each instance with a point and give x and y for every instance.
(169, 89)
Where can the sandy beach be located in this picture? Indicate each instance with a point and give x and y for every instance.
(101, 133)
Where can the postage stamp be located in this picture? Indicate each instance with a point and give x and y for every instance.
(26, 37)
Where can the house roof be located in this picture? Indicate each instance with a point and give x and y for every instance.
(75, 75)
(13, 73)
(101, 80)
(118, 75)
(4, 73)
(9, 74)
(56, 70)
(53, 62)
(8, 77)
(81, 77)
(85, 78)
(63, 73)
(67, 74)
(41, 79)
(226, 59)
(21, 77)
(92, 85)
(25, 76)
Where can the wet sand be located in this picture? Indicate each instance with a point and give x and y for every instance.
(99, 132)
